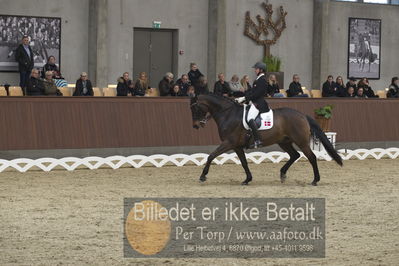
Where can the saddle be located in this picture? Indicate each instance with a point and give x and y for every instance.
(263, 121)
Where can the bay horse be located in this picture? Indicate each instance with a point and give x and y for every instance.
(290, 126)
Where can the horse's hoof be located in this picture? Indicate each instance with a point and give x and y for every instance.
(283, 177)
(245, 183)
(202, 179)
(314, 183)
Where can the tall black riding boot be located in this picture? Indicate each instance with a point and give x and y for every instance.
(257, 142)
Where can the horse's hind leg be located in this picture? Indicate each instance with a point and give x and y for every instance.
(225, 146)
(294, 155)
(241, 154)
(313, 161)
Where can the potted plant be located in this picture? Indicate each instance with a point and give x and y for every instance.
(273, 66)
(323, 117)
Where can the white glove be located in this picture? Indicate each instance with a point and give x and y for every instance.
(240, 99)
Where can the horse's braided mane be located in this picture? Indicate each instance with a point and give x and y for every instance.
(226, 99)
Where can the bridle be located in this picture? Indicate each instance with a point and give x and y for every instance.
(205, 119)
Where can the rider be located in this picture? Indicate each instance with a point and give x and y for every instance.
(256, 95)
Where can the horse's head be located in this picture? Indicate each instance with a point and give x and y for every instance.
(199, 112)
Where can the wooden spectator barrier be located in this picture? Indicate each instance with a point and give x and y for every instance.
(15, 91)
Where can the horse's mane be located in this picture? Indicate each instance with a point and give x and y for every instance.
(223, 99)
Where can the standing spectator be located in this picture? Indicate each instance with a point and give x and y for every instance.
(194, 74)
(339, 84)
(125, 85)
(50, 88)
(235, 85)
(35, 86)
(360, 93)
(351, 83)
(329, 88)
(364, 83)
(273, 90)
(295, 88)
(51, 66)
(141, 85)
(221, 87)
(393, 91)
(202, 87)
(83, 86)
(24, 57)
(183, 83)
(166, 85)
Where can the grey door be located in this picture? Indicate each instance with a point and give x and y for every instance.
(153, 53)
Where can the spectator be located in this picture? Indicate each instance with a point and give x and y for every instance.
(24, 57)
(221, 87)
(50, 88)
(141, 85)
(273, 90)
(295, 88)
(183, 83)
(350, 92)
(235, 85)
(351, 83)
(166, 85)
(360, 93)
(51, 66)
(202, 87)
(245, 83)
(125, 85)
(194, 74)
(191, 91)
(393, 91)
(364, 83)
(35, 86)
(341, 89)
(83, 86)
(176, 92)
(329, 88)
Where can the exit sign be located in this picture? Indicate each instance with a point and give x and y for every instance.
(156, 24)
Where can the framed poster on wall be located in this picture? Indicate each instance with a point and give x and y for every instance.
(364, 48)
(44, 34)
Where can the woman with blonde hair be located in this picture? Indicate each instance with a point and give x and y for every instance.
(245, 85)
(141, 85)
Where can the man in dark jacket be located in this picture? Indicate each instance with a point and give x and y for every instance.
(222, 88)
(35, 86)
(256, 95)
(183, 83)
(125, 85)
(194, 74)
(351, 83)
(24, 57)
(329, 88)
(83, 86)
(295, 88)
(166, 85)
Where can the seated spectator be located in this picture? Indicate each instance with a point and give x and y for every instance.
(191, 91)
(83, 86)
(221, 87)
(202, 86)
(329, 88)
(141, 85)
(166, 85)
(183, 83)
(50, 88)
(351, 83)
(194, 74)
(235, 85)
(393, 91)
(341, 89)
(360, 93)
(125, 85)
(273, 90)
(245, 85)
(350, 92)
(51, 66)
(295, 88)
(35, 86)
(364, 83)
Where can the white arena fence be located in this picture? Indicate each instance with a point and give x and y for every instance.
(159, 160)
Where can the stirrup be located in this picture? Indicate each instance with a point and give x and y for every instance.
(256, 145)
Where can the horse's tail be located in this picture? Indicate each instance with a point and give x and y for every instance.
(317, 132)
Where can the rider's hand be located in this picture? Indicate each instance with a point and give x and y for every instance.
(240, 99)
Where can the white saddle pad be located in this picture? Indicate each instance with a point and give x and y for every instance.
(266, 120)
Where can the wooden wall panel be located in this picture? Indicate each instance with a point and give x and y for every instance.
(113, 122)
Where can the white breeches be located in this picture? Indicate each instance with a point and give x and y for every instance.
(253, 112)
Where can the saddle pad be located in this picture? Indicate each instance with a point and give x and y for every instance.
(266, 120)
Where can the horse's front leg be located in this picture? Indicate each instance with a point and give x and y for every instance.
(241, 155)
(225, 146)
